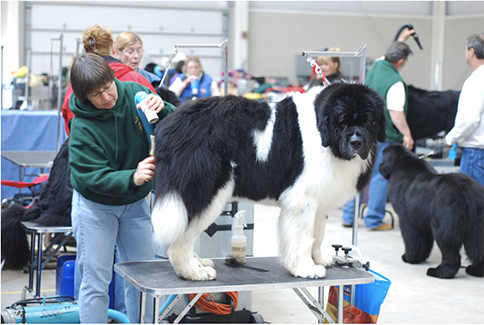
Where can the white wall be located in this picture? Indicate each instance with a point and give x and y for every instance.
(278, 31)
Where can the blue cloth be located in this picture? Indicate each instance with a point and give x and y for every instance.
(378, 196)
(97, 229)
(472, 163)
(204, 88)
(28, 131)
(149, 76)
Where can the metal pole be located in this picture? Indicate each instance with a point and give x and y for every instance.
(29, 63)
(1, 85)
(59, 88)
(78, 41)
(222, 45)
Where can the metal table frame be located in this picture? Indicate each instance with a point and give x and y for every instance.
(37, 233)
(159, 279)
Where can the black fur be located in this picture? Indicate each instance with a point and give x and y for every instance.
(444, 207)
(430, 112)
(53, 208)
(168, 95)
(196, 145)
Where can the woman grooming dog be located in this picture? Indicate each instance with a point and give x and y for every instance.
(111, 173)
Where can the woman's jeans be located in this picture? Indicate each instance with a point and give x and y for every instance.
(97, 229)
(472, 163)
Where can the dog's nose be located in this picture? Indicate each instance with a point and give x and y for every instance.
(356, 143)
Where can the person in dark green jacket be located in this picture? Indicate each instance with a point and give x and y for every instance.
(111, 172)
(384, 77)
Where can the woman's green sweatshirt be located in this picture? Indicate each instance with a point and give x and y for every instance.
(106, 145)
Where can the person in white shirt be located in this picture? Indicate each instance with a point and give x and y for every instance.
(468, 130)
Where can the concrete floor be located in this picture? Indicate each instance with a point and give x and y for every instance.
(413, 297)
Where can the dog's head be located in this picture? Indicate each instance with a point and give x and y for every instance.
(392, 154)
(351, 119)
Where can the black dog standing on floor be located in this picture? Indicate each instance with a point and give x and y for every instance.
(444, 207)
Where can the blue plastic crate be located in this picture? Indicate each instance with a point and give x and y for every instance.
(64, 281)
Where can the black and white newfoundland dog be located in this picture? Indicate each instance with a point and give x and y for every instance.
(444, 207)
(308, 153)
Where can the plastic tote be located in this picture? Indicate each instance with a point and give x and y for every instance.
(368, 300)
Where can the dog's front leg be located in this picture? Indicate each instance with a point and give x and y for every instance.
(186, 262)
(296, 229)
(319, 230)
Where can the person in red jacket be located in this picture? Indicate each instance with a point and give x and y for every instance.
(99, 40)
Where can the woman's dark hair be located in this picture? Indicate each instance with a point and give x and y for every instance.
(89, 73)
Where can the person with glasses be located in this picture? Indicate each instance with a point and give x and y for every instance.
(468, 130)
(194, 83)
(111, 174)
(129, 50)
(99, 40)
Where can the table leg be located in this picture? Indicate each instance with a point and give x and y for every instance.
(156, 310)
(32, 261)
(341, 294)
(142, 309)
(321, 299)
(40, 238)
(187, 308)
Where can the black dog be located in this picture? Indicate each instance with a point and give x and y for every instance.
(430, 112)
(444, 207)
(53, 208)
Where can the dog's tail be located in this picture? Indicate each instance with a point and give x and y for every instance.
(15, 246)
(170, 219)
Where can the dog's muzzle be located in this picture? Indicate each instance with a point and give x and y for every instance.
(355, 146)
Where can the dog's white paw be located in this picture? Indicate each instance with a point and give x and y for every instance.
(311, 272)
(200, 274)
(325, 260)
(206, 262)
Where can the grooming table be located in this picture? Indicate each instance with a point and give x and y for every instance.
(23, 159)
(158, 279)
(37, 233)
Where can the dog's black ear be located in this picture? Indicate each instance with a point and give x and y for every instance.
(325, 131)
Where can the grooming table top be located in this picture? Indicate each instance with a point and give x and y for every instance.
(32, 227)
(158, 277)
(31, 158)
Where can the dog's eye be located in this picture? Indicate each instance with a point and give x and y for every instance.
(367, 122)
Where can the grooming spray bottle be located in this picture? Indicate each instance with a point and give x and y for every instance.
(239, 241)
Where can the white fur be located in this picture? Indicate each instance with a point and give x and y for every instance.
(263, 139)
(181, 246)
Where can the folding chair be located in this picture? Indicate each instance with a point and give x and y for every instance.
(25, 199)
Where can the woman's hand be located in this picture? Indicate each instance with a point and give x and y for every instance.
(145, 171)
(153, 102)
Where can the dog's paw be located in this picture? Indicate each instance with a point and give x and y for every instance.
(406, 259)
(312, 272)
(200, 274)
(325, 260)
(206, 262)
(439, 272)
(475, 270)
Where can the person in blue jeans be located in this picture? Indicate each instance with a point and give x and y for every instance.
(111, 173)
(468, 130)
(385, 78)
